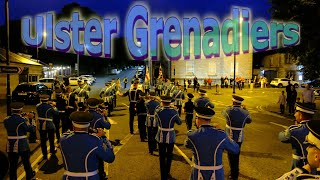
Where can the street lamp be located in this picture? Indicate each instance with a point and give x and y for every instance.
(234, 60)
(44, 34)
(7, 56)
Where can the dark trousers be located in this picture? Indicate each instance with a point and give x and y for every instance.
(44, 135)
(64, 122)
(32, 134)
(152, 144)
(67, 124)
(13, 159)
(132, 113)
(142, 126)
(102, 174)
(281, 108)
(125, 85)
(147, 91)
(234, 163)
(114, 101)
(189, 118)
(179, 109)
(165, 156)
(291, 107)
(56, 122)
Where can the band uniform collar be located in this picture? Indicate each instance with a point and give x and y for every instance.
(304, 121)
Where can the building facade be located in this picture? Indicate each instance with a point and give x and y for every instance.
(31, 73)
(280, 65)
(213, 68)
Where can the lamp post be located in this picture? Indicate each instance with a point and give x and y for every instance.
(7, 56)
(234, 60)
(44, 34)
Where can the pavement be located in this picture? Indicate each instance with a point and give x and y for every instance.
(263, 156)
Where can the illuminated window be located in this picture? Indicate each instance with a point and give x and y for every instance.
(212, 68)
(190, 68)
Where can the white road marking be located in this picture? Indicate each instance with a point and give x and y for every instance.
(125, 105)
(279, 125)
(112, 121)
(184, 155)
(35, 162)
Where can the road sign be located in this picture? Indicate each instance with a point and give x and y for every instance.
(11, 70)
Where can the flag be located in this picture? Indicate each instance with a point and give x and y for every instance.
(147, 76)
(160, 73)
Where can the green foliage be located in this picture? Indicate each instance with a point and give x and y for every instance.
(307, 13)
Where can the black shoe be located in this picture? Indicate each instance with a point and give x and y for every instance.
(151, 153)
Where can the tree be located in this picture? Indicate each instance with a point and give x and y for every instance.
(307, 13)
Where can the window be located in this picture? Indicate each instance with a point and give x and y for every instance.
(42, 88)
(231, 67)
(189, 67)
(212, 68)
(33, 78)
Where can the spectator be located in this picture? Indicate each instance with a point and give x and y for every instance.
(282, 102)
(291, 100)
(205, 81)
(222, 82)
(226, 81)
(308, 96)
(209, 82)
(195, 83)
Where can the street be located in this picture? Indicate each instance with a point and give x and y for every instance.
(263, 156)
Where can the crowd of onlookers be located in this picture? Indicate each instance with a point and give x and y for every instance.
(223, 82)
(291, 98)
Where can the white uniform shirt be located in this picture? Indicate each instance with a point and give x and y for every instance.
(308, 96)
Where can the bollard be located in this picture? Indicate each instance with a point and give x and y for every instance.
(218, 89)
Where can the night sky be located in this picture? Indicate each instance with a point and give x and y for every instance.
(182, 8)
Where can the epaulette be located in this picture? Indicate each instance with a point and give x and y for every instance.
(68, 133)
(292, 127)
(38, 104)
(221, 130)
(7, 117)
(94, 135)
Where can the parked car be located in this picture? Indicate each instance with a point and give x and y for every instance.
(89, 80)
(48, 82)
(314, 83)
(73, 81)
(283, 82)
(93, 79)
(30, 92)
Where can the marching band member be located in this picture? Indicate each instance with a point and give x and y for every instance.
(151, 123)
(296, 134)
(203, 101)
(89, 149)
(46, 111)
(236, 117)
(17, 144)
(178, 97)
(188, 109)
(166, 117)
(313, 150)
(207, 144)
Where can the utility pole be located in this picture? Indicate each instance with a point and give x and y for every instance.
(78, 74)
(7, 57)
